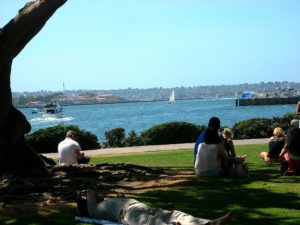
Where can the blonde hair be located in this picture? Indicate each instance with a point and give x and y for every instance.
(227, 133)
(278, 132)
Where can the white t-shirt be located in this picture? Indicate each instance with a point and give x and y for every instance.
(207, 158)
(66, 151)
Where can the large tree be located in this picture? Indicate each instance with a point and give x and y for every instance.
(15, 154)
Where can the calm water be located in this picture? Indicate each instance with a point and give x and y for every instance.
(141, 116)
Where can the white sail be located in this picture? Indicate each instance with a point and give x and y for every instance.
(172, 97)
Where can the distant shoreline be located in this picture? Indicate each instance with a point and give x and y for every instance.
(115, 102)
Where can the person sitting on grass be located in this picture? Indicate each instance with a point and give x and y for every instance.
(236, 164)
(69, 151)
(211, 159)
(227, 142)
(290, 153)
(132, 212)
(229, 147)
(276, 143)
(213, 122)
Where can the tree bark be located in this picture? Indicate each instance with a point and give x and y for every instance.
(15, 153)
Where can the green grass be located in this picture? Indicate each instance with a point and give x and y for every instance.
(174, 159)
(264, 198)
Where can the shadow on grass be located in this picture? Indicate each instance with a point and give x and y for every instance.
(259, 199)
(57, 215)
(253, 200)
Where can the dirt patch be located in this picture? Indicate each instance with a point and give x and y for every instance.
(19, 193)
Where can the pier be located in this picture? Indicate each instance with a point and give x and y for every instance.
(266, 101)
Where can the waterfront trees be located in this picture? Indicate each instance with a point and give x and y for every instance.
(15, 153)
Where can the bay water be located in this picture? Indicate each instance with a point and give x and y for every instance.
(140, 116)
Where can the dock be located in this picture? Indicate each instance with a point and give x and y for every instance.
(267, 101)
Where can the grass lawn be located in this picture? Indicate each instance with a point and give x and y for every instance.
(264, 198)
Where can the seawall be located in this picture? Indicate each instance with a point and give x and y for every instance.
(266, 101)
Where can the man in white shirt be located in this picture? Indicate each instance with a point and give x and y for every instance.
(69, 150)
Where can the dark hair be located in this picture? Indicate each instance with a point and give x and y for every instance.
(214, 122)
(293, 140)
(211, 136)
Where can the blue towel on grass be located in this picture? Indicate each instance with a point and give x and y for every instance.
(95, 221)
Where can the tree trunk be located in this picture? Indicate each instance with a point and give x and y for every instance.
(15, 153)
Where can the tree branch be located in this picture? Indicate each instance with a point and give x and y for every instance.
(27, 23)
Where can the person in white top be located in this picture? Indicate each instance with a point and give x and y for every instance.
(211, 158)
(69, 150)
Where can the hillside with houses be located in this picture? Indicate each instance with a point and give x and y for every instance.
(76, 97)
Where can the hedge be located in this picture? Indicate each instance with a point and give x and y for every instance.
(46, 140)
(172, 133)
(261, 127)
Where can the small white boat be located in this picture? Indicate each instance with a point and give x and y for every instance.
(50, 111)
(172, 98)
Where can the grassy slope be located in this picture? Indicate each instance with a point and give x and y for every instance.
(263, 198)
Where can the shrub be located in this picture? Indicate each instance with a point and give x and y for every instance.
(171, 133)
(133, 139)
(253, 128)
(115, 137)
(261, 127)
(285, 121)
(46, 140)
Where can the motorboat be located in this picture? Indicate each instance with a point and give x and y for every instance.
(52, 108)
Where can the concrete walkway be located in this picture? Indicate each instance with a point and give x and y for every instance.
(153, 148)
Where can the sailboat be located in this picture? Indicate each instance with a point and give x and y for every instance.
(172, 98)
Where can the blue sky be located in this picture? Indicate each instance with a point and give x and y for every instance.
(116, 44)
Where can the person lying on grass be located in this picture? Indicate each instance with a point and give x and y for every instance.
(132, 212)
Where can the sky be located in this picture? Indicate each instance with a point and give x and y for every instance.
(117, 44)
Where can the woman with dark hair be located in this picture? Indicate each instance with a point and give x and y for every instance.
(211, 155)
(291, 151)
(213, 122)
